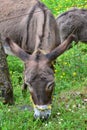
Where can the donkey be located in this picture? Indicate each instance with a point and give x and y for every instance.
(37, 45)
(73, 21)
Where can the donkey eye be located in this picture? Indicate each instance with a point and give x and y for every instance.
(50, 86)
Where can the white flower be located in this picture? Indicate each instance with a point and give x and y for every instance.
(9, 110)
(59, 122)
(58, 113)
(46, 124)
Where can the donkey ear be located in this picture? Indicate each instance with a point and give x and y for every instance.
(61, 48)
(16, 50)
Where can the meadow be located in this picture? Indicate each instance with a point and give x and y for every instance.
(69, 108)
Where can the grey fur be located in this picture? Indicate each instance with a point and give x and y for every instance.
(30, 32)
(73, 20)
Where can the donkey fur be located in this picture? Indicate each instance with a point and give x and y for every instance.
(73, 21)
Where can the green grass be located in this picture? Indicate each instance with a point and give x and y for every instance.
(59, 6)
(69, 108)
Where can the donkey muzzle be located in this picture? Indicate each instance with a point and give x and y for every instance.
(42, 111)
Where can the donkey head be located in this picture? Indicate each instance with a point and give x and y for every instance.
(39, 75)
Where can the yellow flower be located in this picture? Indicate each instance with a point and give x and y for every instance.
(65, 63)
(55, 70)
(63, 74)
(74, 73)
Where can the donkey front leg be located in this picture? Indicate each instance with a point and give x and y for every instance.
(5, 83)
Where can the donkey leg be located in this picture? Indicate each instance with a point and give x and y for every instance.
(5, 83)
(8, 95)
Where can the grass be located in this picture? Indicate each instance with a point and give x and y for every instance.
(69, 111)
(59, 6)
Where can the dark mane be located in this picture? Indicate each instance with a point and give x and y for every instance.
(29, 19)
(71, 10)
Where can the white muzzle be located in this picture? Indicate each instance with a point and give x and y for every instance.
(42, 111)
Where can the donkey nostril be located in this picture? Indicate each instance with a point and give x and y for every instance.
(35, 116)
(48, 116)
